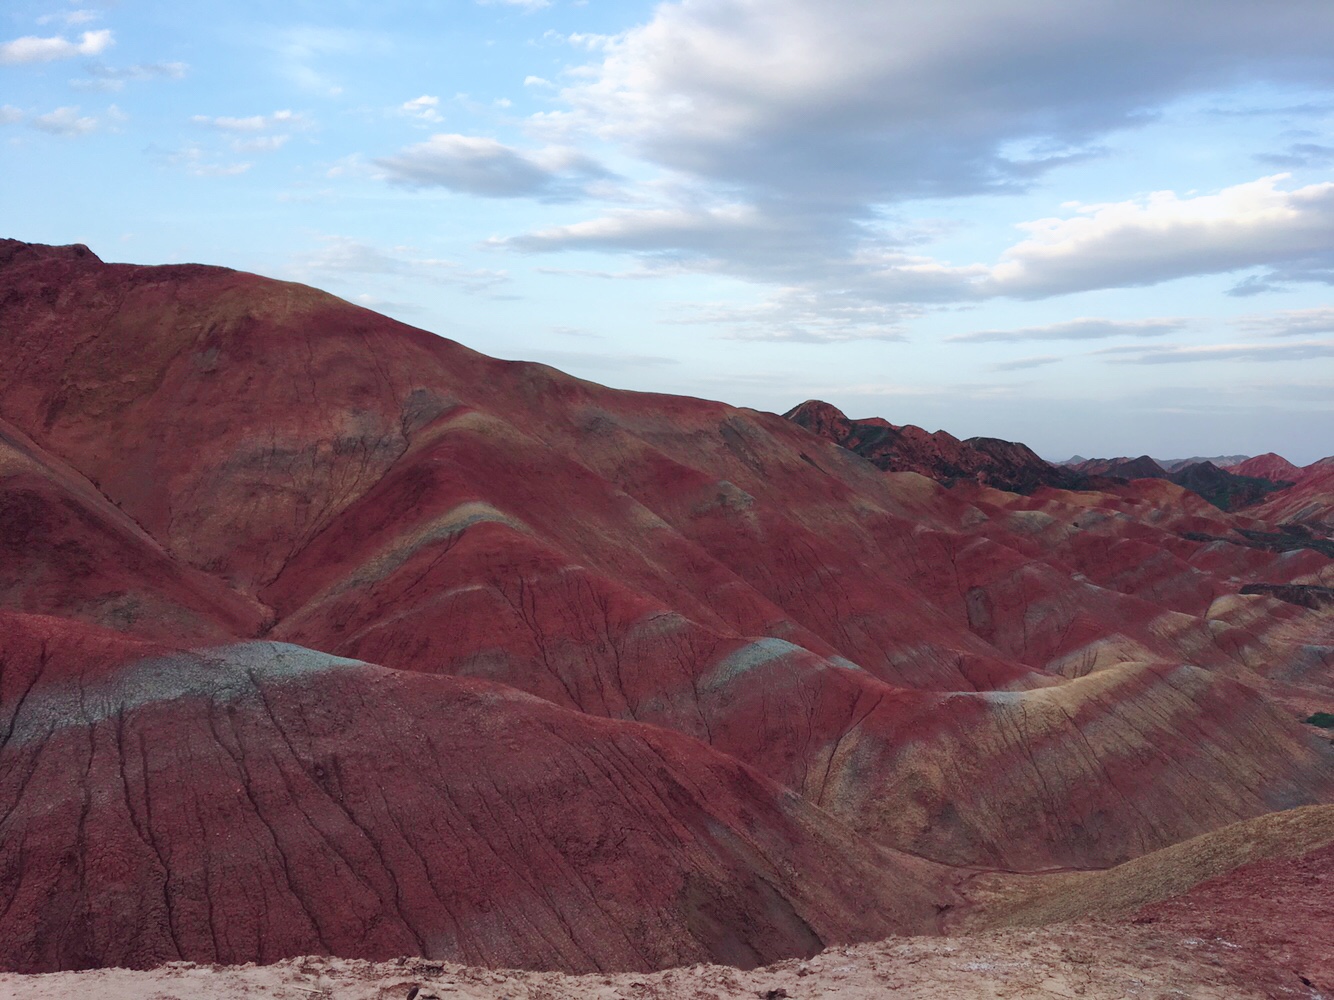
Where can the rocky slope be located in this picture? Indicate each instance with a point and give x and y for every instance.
(324, 633)
(1007, 465)
(1224, 488)
(1308, 502)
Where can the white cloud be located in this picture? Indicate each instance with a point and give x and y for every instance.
(341, 256)
(1300, 154)
(102, 77)
(640, 273)
(200, 163)
(1163, 236)
(10, 115)
(481, 166)
(256, 133)
(799, 315)
(896, 99)
(1302, 351)
(575, 360)
(1076, 329)
(790, 127)
(253, 123)
(590, 40)
(537, 81)
(70, 17)
(697, 230)
(1140, 241)
(425, 108)
(31, 49)
(1290, 322)
(64, 121)
(261, 143)
(1023, 364)
(1135, 242)
(471, 164)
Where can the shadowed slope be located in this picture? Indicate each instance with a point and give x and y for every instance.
(65, 549)
(1224, 488)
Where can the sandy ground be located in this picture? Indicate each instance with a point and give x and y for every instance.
(1086, 960)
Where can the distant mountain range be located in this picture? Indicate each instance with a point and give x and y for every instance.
(1229, 482)
(1170, 464)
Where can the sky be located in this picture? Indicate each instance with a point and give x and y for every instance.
(1095, 226)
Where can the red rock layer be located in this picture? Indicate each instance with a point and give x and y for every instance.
(1268, 466)
(1310, 501)
(256, 801)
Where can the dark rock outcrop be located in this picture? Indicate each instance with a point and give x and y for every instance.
(1005, 465)
(1224, 489)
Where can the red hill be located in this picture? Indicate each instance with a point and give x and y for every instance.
(329, 634)
(1309, 502)
(1269, 466)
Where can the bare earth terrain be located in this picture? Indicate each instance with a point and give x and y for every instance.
(1088, 960)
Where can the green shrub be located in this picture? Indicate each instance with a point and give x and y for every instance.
(1322, 719)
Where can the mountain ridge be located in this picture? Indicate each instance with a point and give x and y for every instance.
(1012, 466)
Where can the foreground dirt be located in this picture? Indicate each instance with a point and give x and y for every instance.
(1078, 960)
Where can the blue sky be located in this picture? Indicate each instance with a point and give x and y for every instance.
(1093, 226)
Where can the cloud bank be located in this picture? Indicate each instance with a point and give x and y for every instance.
(788, 132)
(1075, 329)
(488, 168)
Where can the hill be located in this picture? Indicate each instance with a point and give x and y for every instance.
(326, 634)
